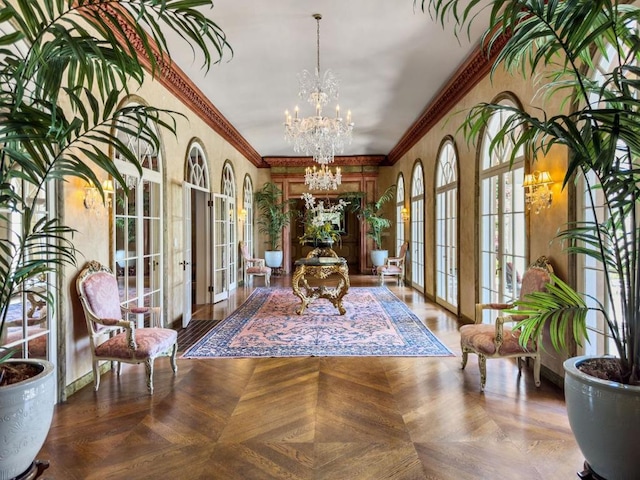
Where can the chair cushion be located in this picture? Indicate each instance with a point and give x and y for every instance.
(259, 270)
(389, 270)
(481, 338)
(150, 341)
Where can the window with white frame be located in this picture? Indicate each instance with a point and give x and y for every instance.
(229, 191)
(447, 226)
(247, 205)
(138, 226)
(417, 226)
(197, 171)
(502, 218)
(399, 210)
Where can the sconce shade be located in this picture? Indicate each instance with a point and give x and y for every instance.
(537, 192)
(404, 213)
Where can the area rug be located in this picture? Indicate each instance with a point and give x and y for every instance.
(376, 323)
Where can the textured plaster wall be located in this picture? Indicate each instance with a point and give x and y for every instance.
(541, 228)
(93, 241)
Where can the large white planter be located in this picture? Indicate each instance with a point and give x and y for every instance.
(605, 419)
(273, 258)
(378, 257)
(26, 411)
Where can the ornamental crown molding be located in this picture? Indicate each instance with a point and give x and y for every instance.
(340, 161)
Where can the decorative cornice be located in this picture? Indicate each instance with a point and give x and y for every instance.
(475, 68)
(346, 160)
(177, 82)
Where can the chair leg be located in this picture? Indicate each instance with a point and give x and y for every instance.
(174, 363)
(536, 370)
(96, 376)
(267, 280)
(148, 366)
(482, 365)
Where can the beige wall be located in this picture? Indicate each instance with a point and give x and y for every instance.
(545, 225)
(92, 239)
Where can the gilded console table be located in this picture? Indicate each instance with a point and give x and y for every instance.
(320, 263)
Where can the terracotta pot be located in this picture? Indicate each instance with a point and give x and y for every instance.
(605, 419)
(26, 411)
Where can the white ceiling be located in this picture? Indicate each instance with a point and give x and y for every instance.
(390, 57)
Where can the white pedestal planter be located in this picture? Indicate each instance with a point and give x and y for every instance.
(605, 419)
(378, 257)
(26, 411)
(273, 258)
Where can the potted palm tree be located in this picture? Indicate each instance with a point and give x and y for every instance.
(275, 215)
(562, 41)
(373, 215)
(59, 119)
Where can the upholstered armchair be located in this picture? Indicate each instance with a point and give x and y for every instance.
(254, 267)
(112, 336)
(498, 340)
(394, 266)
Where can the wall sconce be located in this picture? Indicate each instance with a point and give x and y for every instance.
(537, 192)
(404, 213)
(242, 214)
(93, 199)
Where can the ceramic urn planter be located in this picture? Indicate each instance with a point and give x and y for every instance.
(605, 419)
(26, 411)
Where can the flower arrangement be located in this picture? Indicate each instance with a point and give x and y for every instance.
(321, 223)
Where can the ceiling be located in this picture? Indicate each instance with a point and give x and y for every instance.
(390, 57)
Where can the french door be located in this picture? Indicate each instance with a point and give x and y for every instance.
(222, 269)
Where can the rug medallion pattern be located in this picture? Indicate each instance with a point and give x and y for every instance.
(376, 323)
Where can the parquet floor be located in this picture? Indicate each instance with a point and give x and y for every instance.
(316, 418)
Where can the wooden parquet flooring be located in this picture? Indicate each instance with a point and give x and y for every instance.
(316, 418)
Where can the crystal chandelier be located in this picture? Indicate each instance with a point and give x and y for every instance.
(322, 178)
(318, 136)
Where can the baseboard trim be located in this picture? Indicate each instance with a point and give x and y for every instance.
(84, 380)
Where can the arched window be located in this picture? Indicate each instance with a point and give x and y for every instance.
(399, 206)
(138, 226)
(417, 226)
(447, 226)
(502, 217)
(197, 173)
(225, 230)
(247, 205)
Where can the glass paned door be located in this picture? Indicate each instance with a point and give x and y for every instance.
(220, 254)
(417, 228)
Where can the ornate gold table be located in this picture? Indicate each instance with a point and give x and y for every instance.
(320, 263)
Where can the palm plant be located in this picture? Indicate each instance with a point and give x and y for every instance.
(275, 213)
(559, 41)
(374, 218)
(65, 67)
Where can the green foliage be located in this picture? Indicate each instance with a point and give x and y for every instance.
(275, 213)
(558, 43)
(65, 69)
(372, 213)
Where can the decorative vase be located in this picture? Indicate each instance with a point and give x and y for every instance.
(605, 419)
(378, 257)
(273, 258)
(26, 411)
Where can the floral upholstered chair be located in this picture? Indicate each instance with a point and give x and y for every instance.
(394, 265)
(497, 340)
(254, 267)
(112, 337)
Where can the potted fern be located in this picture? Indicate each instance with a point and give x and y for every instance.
(562, 41)
(59, 119)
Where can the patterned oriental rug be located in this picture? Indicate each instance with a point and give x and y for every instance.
(377, 323)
